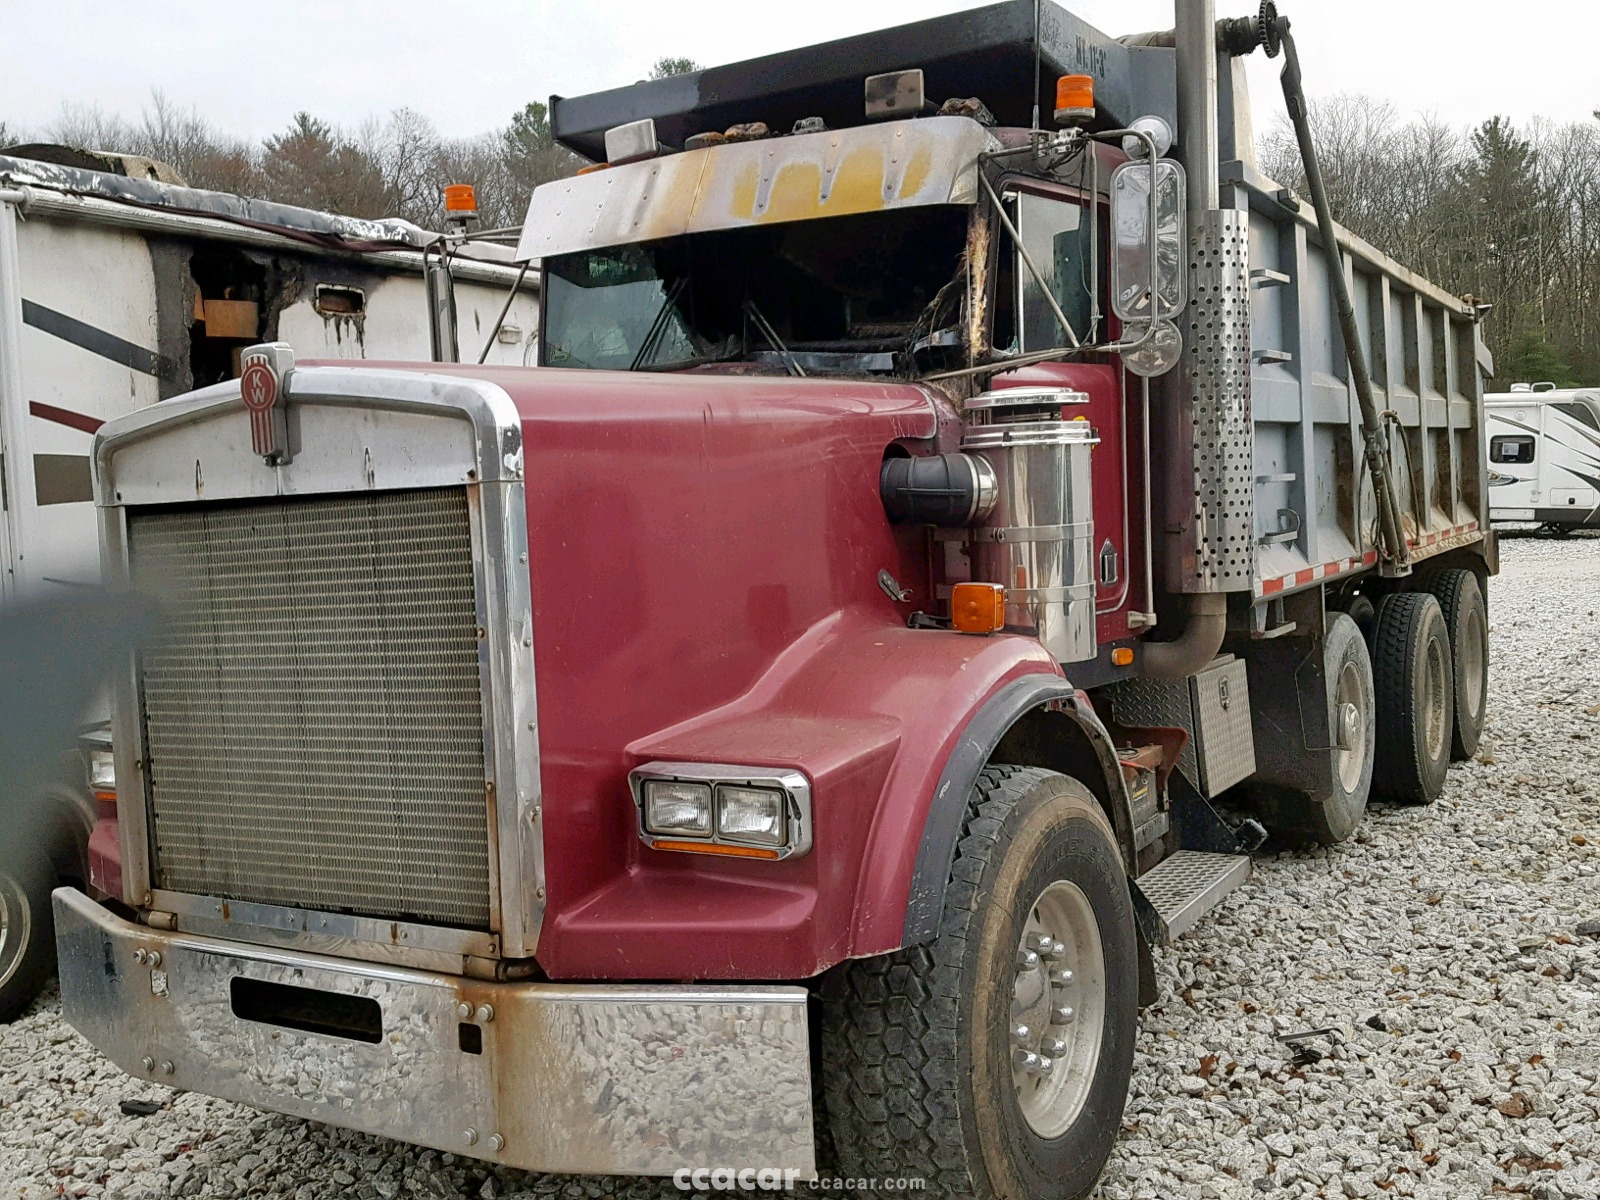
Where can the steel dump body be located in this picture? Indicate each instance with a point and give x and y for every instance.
(1314, 516)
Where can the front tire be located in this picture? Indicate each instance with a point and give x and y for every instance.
(1413, 680)
(933, 1057)
(27, 940)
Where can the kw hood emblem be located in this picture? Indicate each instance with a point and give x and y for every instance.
(264, 388)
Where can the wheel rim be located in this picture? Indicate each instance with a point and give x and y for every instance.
(1474, 654)
(1435, 720)
(16, 926)
(1350, 713)
(1058, 1009)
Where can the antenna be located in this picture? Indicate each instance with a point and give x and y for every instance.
(1038, 8)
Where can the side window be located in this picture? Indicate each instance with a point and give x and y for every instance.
(1057, 237)
(1511, 449)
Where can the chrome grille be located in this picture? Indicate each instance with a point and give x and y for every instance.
(313, 707)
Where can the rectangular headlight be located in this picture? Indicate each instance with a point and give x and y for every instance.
(751, 814)
(677, 807)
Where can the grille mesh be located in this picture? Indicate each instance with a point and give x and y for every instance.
(313, 709)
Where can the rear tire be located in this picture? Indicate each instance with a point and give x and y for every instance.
(925, 1069)
(1331, 813)
(27, 938)
(1466, 616)
(1413, 684)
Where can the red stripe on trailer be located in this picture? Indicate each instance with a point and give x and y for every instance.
(1344, 566)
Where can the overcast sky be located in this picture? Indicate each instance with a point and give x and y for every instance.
(469, 65)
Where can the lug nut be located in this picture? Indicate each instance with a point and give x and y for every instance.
(1062, 1014)
(1062, 977)
(148, 1063)
(463, 1010)
(1055, 1047)
(486, 1013)
(496, 1142)
(471, 1137)
(167, 1068)
(1027, 959)
(1025, 1060)
(1039, 942)
(1020, 1034)
(1045, 1064)
(1055, 950)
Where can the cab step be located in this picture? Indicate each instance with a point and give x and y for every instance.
(1173, 895)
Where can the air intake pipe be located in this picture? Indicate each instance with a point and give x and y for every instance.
(948, 490)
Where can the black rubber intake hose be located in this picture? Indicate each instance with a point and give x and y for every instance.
(949, 490)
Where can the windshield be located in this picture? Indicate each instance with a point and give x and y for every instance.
(873, 293)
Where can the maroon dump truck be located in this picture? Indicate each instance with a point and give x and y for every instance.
(791, 715)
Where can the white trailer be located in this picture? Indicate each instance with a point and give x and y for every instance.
(1544, 456)
(119, 292)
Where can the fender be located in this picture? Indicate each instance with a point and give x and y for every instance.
(1038, 720)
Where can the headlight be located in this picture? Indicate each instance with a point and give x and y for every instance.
(102, 771)
(756, 815)
(733, 811)
(677, 807)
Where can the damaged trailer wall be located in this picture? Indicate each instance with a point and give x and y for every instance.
(115, 316)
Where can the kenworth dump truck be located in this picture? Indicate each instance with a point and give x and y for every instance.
(790, 716)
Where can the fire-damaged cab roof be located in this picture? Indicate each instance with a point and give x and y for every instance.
(987, 52)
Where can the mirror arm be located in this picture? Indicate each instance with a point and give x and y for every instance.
(1154, 224)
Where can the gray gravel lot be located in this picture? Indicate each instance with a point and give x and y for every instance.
(1441, 946)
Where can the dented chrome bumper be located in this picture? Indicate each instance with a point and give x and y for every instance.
(550, 1077)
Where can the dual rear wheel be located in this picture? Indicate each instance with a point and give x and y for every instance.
(1407, 692)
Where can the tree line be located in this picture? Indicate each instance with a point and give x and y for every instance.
(394, 166)
(1509, 216)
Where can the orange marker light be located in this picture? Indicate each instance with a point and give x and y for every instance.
(1074, 99)
(460, 198)
(593, 167)
(978, 607)
(715, 848)
(1122, 656)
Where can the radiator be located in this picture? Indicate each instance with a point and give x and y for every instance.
(313, 706)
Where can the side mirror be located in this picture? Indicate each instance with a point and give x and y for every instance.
(1149, 242)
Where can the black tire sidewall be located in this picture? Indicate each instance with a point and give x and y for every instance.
(1059, 833)
(1460, 595)
(37, 879)
(1408, 624)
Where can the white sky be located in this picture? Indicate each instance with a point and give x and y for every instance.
(468, 65)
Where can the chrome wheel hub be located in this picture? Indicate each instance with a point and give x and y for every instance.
(1057, 1013)
(1435, 718)
(1350, 727)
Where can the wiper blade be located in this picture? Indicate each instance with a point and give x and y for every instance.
(647, 348)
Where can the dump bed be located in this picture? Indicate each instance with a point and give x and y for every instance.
(1315, 514)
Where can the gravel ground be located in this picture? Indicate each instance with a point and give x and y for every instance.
(1440, 948)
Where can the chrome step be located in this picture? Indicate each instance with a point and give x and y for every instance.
(1182, 888)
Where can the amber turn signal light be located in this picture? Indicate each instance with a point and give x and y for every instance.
(714, 848)
(1074, 99)
(978, 607)
(1122, 656)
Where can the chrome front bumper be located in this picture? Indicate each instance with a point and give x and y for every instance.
(595, 1079)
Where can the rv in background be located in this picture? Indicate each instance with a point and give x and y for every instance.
(119, 290)
(1544, 456)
